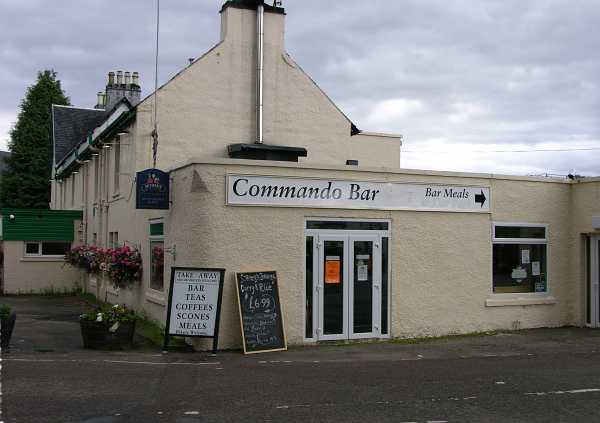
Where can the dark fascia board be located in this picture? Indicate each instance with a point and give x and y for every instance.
(235, 148)
(252, 5)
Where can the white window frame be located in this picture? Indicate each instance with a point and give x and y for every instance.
(155, 295)
(40, 254)
(540, 241)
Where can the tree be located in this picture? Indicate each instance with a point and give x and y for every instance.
(26, 180)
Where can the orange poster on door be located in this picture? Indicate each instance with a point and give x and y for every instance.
(332, 270)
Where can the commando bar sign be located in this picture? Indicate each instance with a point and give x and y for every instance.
(195, 303)
(152, 190)
(249, 190)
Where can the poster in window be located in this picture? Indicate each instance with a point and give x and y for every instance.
(362, 267)
(332, 270)
(525, 256)
(535, 268)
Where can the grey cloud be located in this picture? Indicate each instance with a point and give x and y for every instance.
(486, 72)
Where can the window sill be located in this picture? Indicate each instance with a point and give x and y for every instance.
(520, 301)
(156, 297)
(44, 259)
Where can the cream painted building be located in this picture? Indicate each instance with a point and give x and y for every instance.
(362, 247)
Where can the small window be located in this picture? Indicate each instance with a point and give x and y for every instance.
(96, 177)
(117, 166)
(73, 176)
(519, 259)
(47, 248)
(55, 248)
(531, 232)
(157, 229)
(113, 239)
(32, 248)
(157, 264)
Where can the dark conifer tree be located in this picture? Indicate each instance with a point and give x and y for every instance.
(26, 181)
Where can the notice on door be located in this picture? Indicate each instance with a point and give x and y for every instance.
(332, 269)
(362, 267)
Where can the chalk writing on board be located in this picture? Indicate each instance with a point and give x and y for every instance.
(260, 312)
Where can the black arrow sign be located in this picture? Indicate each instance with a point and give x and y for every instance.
(480, 198)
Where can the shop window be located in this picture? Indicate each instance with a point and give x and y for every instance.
(519, 258)
(46, 248)
(157, 256)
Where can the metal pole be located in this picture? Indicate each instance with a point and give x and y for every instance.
(260, 35)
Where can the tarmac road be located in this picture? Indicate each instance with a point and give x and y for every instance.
(546, 375)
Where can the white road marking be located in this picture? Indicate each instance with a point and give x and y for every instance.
(500, 383)
(191, 413)
(573, 391)
(154, 363)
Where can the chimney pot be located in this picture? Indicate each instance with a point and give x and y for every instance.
(111, 78)
(119, 77)
(127, 78)
(135, 78)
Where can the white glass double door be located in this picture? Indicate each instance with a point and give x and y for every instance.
(348, 286)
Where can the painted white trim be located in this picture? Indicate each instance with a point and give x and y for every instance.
(520, 301)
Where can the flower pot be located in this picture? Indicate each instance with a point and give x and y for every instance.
(123, 336)
(7, 326)
(94, 334)
(98, 334)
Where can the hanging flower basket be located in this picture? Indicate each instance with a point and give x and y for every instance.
(123, 265)
(112, 327)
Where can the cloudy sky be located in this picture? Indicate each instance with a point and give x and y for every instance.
(463, 80)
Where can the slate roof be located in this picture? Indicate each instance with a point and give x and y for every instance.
(71, 125)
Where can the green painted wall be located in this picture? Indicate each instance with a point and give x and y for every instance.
(39, 225)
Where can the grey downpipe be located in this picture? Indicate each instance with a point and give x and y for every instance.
(260, 39)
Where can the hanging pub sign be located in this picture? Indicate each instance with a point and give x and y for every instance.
(152, 190)
(260, 312)
(194, 304)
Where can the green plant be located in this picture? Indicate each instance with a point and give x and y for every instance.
(4, 311)
(109, 314)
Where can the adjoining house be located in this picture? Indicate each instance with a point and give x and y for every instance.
(267, 173)
(34, 243)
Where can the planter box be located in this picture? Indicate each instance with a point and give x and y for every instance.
(7, 326)
(97, 334)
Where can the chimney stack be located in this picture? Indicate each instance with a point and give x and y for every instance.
(101, 100)
(126, 86)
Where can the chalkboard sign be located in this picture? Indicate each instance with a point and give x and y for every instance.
(260, 312)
